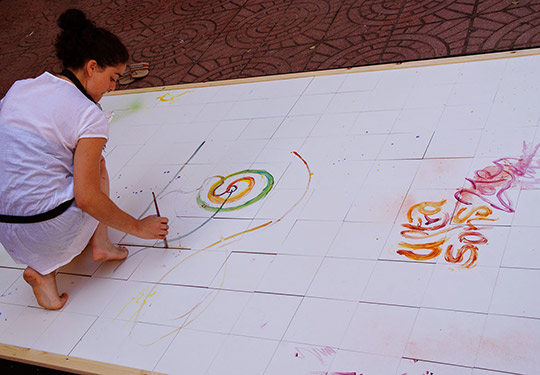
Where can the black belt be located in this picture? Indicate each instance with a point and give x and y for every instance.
(57, 211)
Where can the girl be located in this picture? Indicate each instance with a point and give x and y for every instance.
(54, 192)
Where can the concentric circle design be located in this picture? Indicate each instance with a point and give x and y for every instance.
(412, 47)
(122, 15)
(356, 54)
(302, 20)
(235, 191)
(277, 23)
(254, 27)
(374, 13)
(182, 42)
(197, 7)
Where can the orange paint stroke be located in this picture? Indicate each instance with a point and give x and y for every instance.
(409, 233)
(480, 213)
(458, 258)
(427, 209)
(424, 209)
(435, 248)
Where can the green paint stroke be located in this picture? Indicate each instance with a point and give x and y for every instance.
(134, 107)
(262, 194)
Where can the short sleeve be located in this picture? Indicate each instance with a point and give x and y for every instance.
(93, 124)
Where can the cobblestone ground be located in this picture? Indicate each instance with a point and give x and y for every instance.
(201, 40)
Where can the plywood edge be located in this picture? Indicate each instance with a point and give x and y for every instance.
(320, 73)
(66, 363)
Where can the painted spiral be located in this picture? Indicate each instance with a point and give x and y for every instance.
(236, 190)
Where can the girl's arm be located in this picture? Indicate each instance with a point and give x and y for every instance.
(91, 199)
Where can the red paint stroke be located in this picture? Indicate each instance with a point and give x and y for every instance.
(479, 238)
(305, 162)
(495, 180)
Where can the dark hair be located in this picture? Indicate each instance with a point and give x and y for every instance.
(80, 41)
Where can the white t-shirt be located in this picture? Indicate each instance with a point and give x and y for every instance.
(41, 121)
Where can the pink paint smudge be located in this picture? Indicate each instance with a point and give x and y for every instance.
(495, 180)
(321, 353)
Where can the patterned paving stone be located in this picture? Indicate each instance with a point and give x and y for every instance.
(199, 40)
(365, 49)
(435, 39)
(505, 25)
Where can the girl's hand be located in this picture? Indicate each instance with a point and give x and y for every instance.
(152, 227)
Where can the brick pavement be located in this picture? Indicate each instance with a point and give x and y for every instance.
(207, 40)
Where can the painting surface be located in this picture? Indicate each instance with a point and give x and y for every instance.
(380, 222)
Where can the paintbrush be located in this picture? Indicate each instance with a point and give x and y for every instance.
(157, 211)
(155, 246)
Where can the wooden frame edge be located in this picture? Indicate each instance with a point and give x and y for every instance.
(320, 73)
(66, 363)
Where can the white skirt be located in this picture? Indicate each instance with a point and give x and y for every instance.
(48, 245)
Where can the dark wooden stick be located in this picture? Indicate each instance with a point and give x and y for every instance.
(157, 210)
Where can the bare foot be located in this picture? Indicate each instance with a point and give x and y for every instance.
(107, 251)
(45, 289)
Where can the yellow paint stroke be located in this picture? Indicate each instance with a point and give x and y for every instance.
(172, 99)
(142, 305)
(136, 299)
(214, 292)
(222, 240)
(141, 294)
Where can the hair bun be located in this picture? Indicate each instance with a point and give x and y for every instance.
(74, 20)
